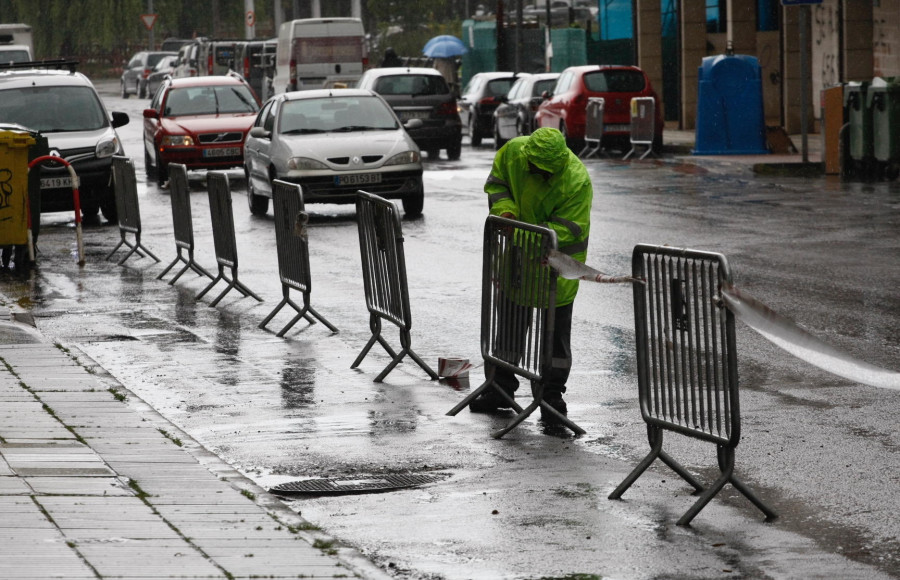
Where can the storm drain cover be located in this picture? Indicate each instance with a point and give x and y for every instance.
(359, 484)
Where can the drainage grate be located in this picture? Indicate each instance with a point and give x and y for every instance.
(360, 484)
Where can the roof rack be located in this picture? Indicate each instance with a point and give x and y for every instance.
(56, 64)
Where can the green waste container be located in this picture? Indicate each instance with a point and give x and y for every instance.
(860, 118)
(883, 99)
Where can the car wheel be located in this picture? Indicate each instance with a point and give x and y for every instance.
(90, 209)
(570, 143)
(434, 153)
(124, 90)
(474, 135)
(142, 91)
(258, 204)
(108, 207)
(455, 150)
(149, 168)
(162, 172)
(498, 141)
(413, 204)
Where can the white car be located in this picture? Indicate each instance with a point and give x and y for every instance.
(333, 143)
(65, 108)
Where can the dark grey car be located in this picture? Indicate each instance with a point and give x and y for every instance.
(420, 93)
(515, 114)
(136, 71)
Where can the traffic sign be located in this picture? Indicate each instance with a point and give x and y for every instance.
(251, 18)
(149, 20)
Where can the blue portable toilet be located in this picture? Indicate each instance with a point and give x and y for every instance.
(730, 117)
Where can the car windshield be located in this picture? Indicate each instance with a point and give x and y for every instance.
(210, 100)
(614, 81)
(14, 56)
(335, 114)
(53, 109)
(412, 85)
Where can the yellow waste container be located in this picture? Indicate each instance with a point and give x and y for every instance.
(14, 187)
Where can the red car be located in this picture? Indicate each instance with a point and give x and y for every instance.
(201, 122)
(564, 108)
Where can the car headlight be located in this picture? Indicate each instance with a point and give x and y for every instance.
(107, 148)
(404, 158)
(305, 163)
(177, 141)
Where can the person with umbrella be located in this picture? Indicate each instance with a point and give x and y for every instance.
(445, 50)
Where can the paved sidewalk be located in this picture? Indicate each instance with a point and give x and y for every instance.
(96, 484)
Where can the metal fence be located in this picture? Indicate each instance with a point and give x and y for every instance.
(182, 223)
(292, 244)
(127, 209)
(643, 125)
(593, 129)
(223, 236)
(384, 278)
(687, 362)
(518, 307)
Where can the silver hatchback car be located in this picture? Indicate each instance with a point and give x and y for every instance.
(333, 143)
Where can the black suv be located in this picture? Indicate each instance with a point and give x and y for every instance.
(64, 107)
(420, 93)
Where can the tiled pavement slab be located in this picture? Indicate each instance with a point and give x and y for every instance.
(95, 484)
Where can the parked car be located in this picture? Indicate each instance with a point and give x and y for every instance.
(200, 121)
(188, 62)
(420, 93)
(139, 67)
(480, 99)
(565, 107)
(515, 114)
(333, 143)
(64, 107)
(164, 68)
(255, 60)
(217, 57)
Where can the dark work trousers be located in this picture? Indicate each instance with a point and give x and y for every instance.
(511, 348)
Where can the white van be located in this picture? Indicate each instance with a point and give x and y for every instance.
(316, 53)
(16, 43)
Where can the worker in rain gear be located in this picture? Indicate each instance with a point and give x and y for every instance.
(538, 180)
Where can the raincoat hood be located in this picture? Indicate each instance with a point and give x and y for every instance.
(546, 149)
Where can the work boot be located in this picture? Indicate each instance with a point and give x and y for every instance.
(490, 401)
(555, 400)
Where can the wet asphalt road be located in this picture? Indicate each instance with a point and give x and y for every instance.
(824, 452)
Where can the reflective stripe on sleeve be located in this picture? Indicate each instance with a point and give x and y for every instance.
(575, 248)
(570, 225)
(495, 197)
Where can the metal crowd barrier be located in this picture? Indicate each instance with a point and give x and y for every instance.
(129, 215)
(182, 223)
(384, 277)
(593, 129)
(643, 125)
(292, 245)
(687, 363)
(223, 236)
(518, 307)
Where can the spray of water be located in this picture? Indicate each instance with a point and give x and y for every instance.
(762, 319)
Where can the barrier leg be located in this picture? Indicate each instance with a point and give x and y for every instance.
(656, 441)
(375, 327)
(215, 280)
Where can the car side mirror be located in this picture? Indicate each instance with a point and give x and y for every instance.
(151, 114)
(546, 95)
(260, 133)
(414, 124)
(119, 119)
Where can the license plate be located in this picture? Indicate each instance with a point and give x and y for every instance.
(407, 115)
(617, 128)
(222, 152)
(57, 182)
(358, 179)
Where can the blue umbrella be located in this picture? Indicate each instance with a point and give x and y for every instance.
(444, 46)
